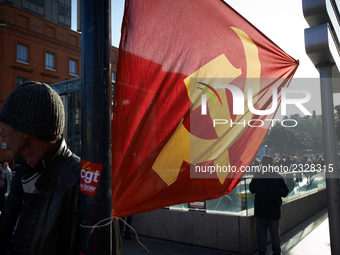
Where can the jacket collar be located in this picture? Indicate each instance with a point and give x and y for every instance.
(52, 166)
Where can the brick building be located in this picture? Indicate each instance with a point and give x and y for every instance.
(34, 48)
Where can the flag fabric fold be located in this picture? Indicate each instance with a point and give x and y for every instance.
(173, 55)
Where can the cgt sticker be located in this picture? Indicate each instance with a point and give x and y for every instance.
(89, 177)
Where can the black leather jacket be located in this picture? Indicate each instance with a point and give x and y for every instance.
(49, 221)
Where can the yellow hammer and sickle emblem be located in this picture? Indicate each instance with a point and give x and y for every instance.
(177, 150)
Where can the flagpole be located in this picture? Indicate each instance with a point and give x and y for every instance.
(96, 125)
(331, 156)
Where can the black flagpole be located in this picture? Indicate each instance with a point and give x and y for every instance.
(96, 125)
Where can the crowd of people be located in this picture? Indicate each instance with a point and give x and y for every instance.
(304, 160)
(289, 160)
(300, 166)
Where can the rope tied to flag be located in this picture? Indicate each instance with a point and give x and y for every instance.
(107, 222)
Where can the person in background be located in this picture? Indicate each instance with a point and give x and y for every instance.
(268, 189)
(6, 169)
(8, 174)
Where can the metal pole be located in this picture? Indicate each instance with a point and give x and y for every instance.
(331, 157)
(79, 10)
(96, 123)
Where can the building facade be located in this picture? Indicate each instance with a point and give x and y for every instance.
(34, 48)
(57, 11)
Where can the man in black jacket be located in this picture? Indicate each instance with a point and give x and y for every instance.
(41, 215)
(268, 187)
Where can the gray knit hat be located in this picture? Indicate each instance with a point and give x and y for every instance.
(34, 109)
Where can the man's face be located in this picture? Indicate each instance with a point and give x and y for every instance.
(16, 140)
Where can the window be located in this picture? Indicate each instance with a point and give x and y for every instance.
(73, 67)
(40, 3)
(113, 77)
(64, 15)
(49, 61)
(20, 80)
(22, 53)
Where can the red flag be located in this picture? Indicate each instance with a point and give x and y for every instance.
(171, 54)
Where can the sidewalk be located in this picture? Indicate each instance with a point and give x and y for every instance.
(310, 237)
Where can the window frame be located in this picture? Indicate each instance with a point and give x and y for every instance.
(113, 77)
(72, 68)
(19, 57)
(21, 78)
(47, 61)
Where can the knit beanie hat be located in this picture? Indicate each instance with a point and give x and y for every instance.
(34, 109)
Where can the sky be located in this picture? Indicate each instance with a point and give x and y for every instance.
(281, 20)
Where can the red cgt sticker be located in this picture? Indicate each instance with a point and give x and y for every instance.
(89, 177)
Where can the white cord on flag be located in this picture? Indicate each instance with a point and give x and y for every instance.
(110, 219)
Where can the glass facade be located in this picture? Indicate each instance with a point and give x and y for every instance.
(64, 15)
(58, 11)
(241, 202)
(70, 93)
